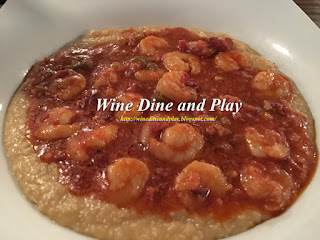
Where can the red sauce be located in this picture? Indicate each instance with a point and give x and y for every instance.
(226, 149)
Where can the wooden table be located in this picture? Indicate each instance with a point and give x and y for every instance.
(311, 8)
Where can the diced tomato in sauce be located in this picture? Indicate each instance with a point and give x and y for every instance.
(225, 145)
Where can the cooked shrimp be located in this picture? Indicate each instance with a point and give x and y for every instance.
(198, 180)
(79, 145)
(272, 85)
(173, 86)
(148, 75)
(129, 98)
(152, 45)
(127, 178)
(106, 78)
(266, 144)
(179, 143)
(57, 124)
(274, 189)
(231, 60)
(180, 61)
(72, 85)
(151, 129)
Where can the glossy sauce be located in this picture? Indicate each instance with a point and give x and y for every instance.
(226, 149)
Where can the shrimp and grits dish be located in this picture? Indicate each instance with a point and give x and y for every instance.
(92, 173)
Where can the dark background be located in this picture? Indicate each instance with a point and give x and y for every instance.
(311, 8)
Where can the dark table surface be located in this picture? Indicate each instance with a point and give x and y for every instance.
(310, 7)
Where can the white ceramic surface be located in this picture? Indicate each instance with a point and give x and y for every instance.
(32, 29)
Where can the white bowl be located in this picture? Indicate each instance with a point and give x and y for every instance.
(278, 29)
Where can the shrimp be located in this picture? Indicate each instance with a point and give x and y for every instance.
(231, 60)
(106, 78)
(273, 188)
(179, 61)
(148, 75)
(79, 145)
(173, 86)
(152, 45)
(268, 144)
(179, 143)
(151, 129)
(56, 125)
(127, 178)
(69, 86)
(129, 98)
(271, 85)
(198, 180)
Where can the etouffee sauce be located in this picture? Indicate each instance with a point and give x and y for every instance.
(225, 144)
